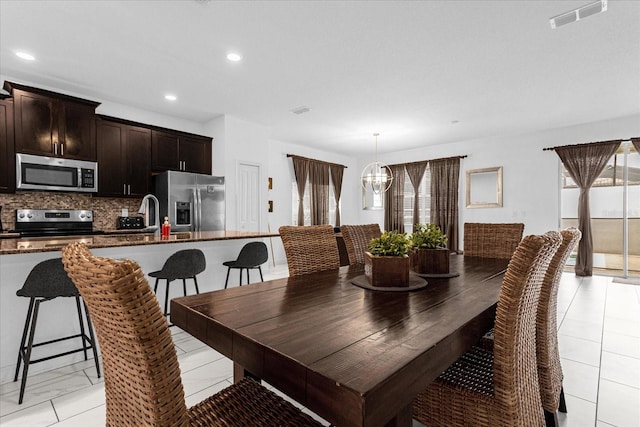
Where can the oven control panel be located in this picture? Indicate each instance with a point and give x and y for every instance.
(53, 215)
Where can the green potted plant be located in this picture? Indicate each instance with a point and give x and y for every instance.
(387, 261)
(430, 254)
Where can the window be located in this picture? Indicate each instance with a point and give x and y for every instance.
(306, 200)
(425, 200)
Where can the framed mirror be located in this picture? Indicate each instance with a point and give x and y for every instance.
(484, 188)
(372, 201)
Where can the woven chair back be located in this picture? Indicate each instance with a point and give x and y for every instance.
(517, 394)
(357, 238)
(310, 248)
(549, 369)
(141, 371)
(489, 240)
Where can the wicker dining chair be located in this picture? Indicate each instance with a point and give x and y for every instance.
(499, 387)
(357, 238)
(141, 372)
(492, 240)
(547, 355)
(310, 248)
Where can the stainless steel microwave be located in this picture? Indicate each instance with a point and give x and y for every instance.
(55, 174)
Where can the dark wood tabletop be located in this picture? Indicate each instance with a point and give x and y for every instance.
(355, 357)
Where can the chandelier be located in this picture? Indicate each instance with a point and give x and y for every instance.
(376, 176)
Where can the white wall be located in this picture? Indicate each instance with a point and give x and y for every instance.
(531, 180)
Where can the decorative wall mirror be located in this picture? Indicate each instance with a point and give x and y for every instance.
(484, 188)
(372, 200)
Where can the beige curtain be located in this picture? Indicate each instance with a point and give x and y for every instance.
(301, 171)
(337, 172)
(416, 172)
(319, 181)
(394, 201)
(444, 197)
(584, 163)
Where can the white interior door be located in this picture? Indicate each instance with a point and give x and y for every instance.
(248, 197)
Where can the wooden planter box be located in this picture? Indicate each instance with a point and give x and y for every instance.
(386, 271)
(430, 261)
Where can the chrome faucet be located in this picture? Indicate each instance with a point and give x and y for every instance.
(143, 210)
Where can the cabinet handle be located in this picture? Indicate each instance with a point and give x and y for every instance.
(55, 148)
(129, 189)
(124, 189)
(61, 149)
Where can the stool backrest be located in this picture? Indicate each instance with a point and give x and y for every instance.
(252, 254)
(48, 280)
(310, 248)
(141, 371)
(183, 264)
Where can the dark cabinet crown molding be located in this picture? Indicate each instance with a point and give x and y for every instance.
(148, 126)
(10, 86)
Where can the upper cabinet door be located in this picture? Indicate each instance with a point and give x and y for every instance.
(180, 152)
(164, 151)
(76, 131)
(7, 157)
(35, 129)
(195, 154)
(51, 124)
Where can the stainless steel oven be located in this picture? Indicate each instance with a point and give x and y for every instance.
(54, 173)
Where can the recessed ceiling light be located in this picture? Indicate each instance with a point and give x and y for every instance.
(170, 97)
(235, 57)
(25, 55)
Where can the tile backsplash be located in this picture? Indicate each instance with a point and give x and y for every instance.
(106, 210)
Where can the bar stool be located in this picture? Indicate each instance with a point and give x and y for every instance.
(184, 264)
(252, 255)
(46, 281)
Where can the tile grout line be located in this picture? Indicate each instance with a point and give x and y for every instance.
(604, 312)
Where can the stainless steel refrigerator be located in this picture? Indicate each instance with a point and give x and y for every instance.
(193, 202)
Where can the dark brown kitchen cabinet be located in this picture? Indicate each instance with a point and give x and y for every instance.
(7, 154)
(51, 124)
(124, 168)
(181, 152)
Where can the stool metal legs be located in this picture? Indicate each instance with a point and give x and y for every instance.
(166, 291)
(226, 282)
(24, 352)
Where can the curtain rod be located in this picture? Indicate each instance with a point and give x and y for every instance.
(315, 160)
(431, 160)
(587, 143)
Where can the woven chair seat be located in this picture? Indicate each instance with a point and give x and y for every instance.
(474, 371)
(247, 403)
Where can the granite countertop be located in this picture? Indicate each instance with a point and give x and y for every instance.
(26, 245)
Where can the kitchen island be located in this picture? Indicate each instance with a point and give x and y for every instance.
(58, 318)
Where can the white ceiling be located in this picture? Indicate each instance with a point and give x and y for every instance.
(405, 69)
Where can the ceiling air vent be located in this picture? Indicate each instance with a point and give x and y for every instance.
(301, 110)
(578, 14)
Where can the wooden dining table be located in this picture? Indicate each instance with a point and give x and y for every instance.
(354, 356)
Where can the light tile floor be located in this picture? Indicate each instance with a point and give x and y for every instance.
(599, 339)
